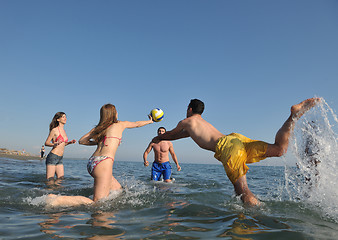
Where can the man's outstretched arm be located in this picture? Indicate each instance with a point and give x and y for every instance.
(177, 133)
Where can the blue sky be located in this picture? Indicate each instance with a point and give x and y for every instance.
(249, 61)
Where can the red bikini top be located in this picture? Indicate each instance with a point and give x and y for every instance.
(105, 137)
(60, 137)
(104, 140)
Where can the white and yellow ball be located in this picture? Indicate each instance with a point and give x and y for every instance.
(157, 114)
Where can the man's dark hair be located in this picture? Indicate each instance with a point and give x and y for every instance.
(161, 128)
(197, 106)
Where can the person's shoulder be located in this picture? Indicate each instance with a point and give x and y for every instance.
(183, 124)
(122, 122)
(190, 120)
(185, 120)
(118, 123)
(54, 130)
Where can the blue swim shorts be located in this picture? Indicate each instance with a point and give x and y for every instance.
(53, 159)
(159, 169)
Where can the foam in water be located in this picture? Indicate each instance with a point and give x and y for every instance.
(37, 201)
(135, 193)
(314, 144)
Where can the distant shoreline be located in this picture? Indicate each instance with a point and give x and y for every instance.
(18, 155)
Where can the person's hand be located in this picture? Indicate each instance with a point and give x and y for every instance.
(72, 142)
(179, 168)
(150, 118)
(57, 143)
(146, 163)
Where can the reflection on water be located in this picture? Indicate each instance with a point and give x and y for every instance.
(98, 225)
(49, 222)
(104, 226)
(174, 220)
(55, 225)
(103, 219)
(54, 184)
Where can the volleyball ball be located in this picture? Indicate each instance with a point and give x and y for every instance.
(157, 114)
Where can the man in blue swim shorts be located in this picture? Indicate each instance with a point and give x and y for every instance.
(161, 165)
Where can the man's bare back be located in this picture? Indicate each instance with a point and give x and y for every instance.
(202, 132)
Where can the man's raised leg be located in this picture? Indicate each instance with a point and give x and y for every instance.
(280, 146)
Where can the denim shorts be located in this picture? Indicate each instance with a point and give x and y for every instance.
(53, 159)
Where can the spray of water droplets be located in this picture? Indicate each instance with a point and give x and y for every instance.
(315, 145)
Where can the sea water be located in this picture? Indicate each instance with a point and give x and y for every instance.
(299, 202)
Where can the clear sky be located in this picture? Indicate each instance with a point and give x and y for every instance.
(249, 61)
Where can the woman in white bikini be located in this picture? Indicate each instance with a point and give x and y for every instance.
(57, 139)
(107, 136)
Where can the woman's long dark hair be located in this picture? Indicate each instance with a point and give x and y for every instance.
(108, 116)
(55, 122)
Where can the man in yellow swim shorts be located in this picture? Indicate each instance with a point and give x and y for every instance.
(235, 150)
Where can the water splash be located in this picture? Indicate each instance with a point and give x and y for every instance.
(36, 201)
(315, 146)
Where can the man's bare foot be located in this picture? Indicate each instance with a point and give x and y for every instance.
(299, 109)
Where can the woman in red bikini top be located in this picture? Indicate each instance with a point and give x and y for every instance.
(107, 136)
(57, 139)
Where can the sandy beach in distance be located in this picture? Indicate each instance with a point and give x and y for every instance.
(19, 155)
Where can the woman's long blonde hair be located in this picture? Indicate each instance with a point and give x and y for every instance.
(108, 116)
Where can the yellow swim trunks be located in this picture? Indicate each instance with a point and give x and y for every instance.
(235, 150)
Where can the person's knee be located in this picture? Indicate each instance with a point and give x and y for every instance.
(281, 151)
(276, 151)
